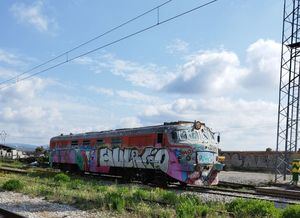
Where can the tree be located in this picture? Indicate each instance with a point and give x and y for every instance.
(269, 149)
(39, 150)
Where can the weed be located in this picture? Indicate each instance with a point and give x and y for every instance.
(75, 184)
(169, 197)
(13, 185)
(115, 201)
(61, 178)
(143, 210)
(163, 212)
(252, 208)
(45, 191)
(101, 188)
(190, 206)
(140, 194)
(292, 211)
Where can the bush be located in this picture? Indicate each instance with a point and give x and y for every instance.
(143, 210)
(252, 208)
(115, 201)
(45, 191)
(61, 177)
(101, 188)
(13, 185)
(75, 184)
(169, 197)
(140, 195)
(163, 212)
(292, 211)
(189, 207)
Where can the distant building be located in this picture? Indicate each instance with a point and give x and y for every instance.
(10, 152)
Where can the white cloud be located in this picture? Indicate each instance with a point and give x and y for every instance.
(220, 73)
(7, 73)
(8, 58)
(263, 59)
(148, 76)
(33, 15)
(245, 125)
(208, 72)
(129, 122)
(22, 91)
(135, 95)
(216, 78)
(178, 46)
(101, 90)
(124, 94)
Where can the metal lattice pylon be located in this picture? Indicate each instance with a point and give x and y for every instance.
(288, 109)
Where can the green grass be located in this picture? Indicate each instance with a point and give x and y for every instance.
(91, 193)
(292, 211)
(11, 163)
(61, 177)
(253, 208)
(12, 185)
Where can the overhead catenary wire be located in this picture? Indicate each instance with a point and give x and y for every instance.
(87, 42)
(102, 46)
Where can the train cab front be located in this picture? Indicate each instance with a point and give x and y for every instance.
(198, 156)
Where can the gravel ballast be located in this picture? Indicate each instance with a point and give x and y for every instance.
(35, 207)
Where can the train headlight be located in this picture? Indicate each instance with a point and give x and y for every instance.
(198, 124)
(221, 159)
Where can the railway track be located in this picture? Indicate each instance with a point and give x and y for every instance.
(269, 196)
(8, 214)
(231, 190)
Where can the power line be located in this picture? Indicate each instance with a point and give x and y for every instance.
(87, 42)
(105, 45)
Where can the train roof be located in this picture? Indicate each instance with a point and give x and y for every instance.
(123, 132)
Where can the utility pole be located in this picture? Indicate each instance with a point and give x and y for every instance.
(288, 108)
(3, 136)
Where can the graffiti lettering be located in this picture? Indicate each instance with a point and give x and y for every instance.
(152, 158)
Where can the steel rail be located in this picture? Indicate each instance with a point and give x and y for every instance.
(215, 190)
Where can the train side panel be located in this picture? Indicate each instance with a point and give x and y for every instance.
(145, 152)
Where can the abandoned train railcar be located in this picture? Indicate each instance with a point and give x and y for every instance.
(178, 151)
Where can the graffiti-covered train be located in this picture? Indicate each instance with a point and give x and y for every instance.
(186, 152)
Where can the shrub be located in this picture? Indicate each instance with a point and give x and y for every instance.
(61, 177)
(252, 208)
(292, 211)
(143, 210)
(115, 201)
(163, 212)
(169, 197)
(101, 188)
(45, 191)
(13, 185)
(75, 184)
(140, 195)
(189, 207)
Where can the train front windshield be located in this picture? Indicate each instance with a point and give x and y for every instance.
(193, 136)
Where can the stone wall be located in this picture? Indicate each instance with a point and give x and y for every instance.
(252, 160)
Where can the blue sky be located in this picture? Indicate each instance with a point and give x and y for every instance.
(219, 64)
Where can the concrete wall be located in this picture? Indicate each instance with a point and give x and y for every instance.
(252, 160)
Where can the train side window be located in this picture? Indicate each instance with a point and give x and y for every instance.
(86, 142)
(100, 143)
(74, 143)
(174, 135)
(159, 138)
(116, 142)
